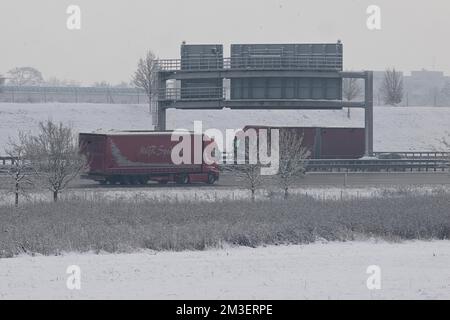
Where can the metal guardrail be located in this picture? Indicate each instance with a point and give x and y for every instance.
(377, 165)
(5, 164)
(300, 62)
(414, 154)
(345, 165)
(7, 160)
(364, 165)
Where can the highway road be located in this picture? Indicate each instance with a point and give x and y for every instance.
(314, 179)
(357, 179)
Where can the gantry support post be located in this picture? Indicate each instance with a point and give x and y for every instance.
(368, 112)
(161, 126)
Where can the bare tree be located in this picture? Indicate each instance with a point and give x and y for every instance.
(54, 154)
(20, 170)
(246, 168)
(25, 76)
(145, 77)
(249, 175)
(351, 89)
(293, 159)
(392, 87)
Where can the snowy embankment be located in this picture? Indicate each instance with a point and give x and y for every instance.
(395, 128)
(410, 270)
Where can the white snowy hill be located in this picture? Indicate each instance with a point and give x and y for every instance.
(395, 128)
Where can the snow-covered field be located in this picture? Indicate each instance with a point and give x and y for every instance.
(395, 128)
(410, 270)
(208, 194)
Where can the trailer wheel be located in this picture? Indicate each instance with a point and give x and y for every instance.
(183, 179)
(211, 178)
(124, 180)
(142, 180)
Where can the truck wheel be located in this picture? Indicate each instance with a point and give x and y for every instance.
(211, 178)
(183, 179)
(113, 180)
(132, 180)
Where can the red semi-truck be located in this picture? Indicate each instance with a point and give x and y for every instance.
(135, 157)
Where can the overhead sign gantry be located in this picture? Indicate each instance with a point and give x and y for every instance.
(260, 76)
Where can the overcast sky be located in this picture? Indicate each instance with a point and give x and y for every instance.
(115, 33)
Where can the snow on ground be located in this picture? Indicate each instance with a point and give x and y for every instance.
(83, 117)
(410, 270)
(395, 128)
(208, 194)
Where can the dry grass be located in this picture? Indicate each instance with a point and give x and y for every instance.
(122, 226)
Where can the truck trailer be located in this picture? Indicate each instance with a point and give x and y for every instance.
(326, 142)
(136, 157)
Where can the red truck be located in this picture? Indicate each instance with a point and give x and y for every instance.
(135, 157)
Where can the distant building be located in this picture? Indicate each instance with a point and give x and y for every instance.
(425, 88)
